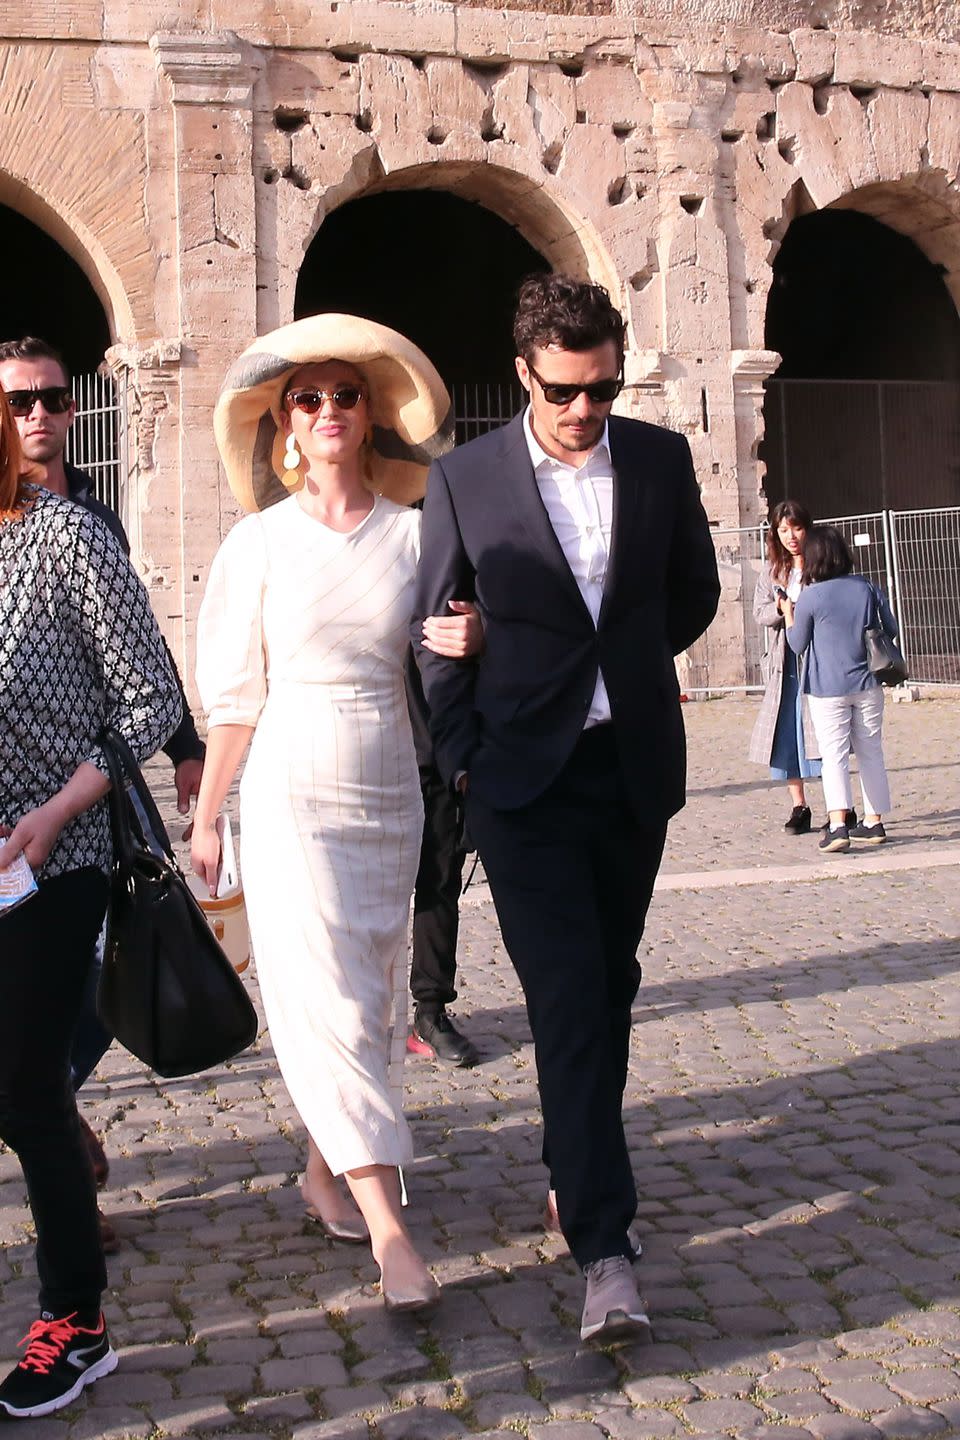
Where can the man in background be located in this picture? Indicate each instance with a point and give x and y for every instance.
(436, 900)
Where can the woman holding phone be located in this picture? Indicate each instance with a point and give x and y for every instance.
(79, 649)
(783, 736)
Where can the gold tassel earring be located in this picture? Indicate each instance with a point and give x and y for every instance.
(291, 478)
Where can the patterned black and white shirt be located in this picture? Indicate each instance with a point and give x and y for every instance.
(79, 646)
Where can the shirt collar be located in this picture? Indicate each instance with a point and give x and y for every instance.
(539, 456)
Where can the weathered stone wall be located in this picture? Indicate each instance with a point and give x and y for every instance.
(190, 153)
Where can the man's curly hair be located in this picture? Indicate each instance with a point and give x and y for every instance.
(572, 314)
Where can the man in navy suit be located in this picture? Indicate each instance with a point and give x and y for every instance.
(582, 538)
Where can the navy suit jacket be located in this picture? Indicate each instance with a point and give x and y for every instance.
(512, 718)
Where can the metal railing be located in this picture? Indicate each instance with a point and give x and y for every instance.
(97, 441)
(482, 405)
(925, 553)
(912, 555)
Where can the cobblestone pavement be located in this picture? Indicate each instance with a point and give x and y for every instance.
(794, 1119)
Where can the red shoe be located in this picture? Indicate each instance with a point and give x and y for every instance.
(62, 1357)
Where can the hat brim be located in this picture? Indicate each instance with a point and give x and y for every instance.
(410, 411)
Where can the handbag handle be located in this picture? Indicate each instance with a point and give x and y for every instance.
(122, 767)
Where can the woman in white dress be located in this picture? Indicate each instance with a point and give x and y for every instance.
(301, 643)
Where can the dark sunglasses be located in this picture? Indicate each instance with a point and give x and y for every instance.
(55, 399)
(345, 397)
(601, 392)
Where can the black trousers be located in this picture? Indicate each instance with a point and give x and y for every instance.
(436, 897)
(47, 949)
(571, 876)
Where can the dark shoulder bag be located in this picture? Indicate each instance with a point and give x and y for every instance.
(884, 660)
(167, 991)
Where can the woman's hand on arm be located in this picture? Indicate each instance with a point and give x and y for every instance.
(456, 637)
(225, 747)
(766, 609)
(35, 833)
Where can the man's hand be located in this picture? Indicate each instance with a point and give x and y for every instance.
(456, 637)
(33, 836)
(186, 777)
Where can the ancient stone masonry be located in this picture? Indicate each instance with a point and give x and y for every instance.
(192, 151)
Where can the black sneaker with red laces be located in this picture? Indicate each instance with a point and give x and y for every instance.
(61, 1358)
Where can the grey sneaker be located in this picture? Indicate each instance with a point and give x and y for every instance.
(873, 834)
(613, 1308)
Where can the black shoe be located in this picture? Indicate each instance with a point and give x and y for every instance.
(838, 839)
(873, 834)
(435, 1034)
(62, 1357)
(799, 822)
(849, 819)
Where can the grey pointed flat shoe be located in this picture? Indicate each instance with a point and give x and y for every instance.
(405, 1302)
(350, 1232)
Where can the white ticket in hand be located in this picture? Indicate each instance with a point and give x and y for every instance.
(16, 885)
(228, 879)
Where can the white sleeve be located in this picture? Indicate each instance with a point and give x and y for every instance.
(231, 663)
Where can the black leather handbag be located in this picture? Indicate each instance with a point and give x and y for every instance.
(884, 658)
(167, 990)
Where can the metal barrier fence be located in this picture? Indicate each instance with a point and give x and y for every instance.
(97, 440)
(730, 656)
(925, 552)
(912, 555)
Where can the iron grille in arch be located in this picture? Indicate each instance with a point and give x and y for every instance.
(97, 441)
(482, 405)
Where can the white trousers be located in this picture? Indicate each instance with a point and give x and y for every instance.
(851, 722)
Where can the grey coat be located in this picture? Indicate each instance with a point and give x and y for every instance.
(765, 613)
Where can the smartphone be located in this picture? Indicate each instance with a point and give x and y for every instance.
(16, 885)
(779, 591)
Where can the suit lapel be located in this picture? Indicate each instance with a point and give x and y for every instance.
(625, 508)
(529, 512)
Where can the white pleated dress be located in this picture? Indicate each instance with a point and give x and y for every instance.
(303, 633)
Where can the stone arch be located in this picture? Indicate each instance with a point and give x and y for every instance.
(864, 329)
(85, 250)
(95, 209)
(924, 208)
(891, 154)
(541, 214)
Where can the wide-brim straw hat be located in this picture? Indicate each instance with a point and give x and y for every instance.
(410, 411)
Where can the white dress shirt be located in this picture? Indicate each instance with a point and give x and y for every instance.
(579, 505)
